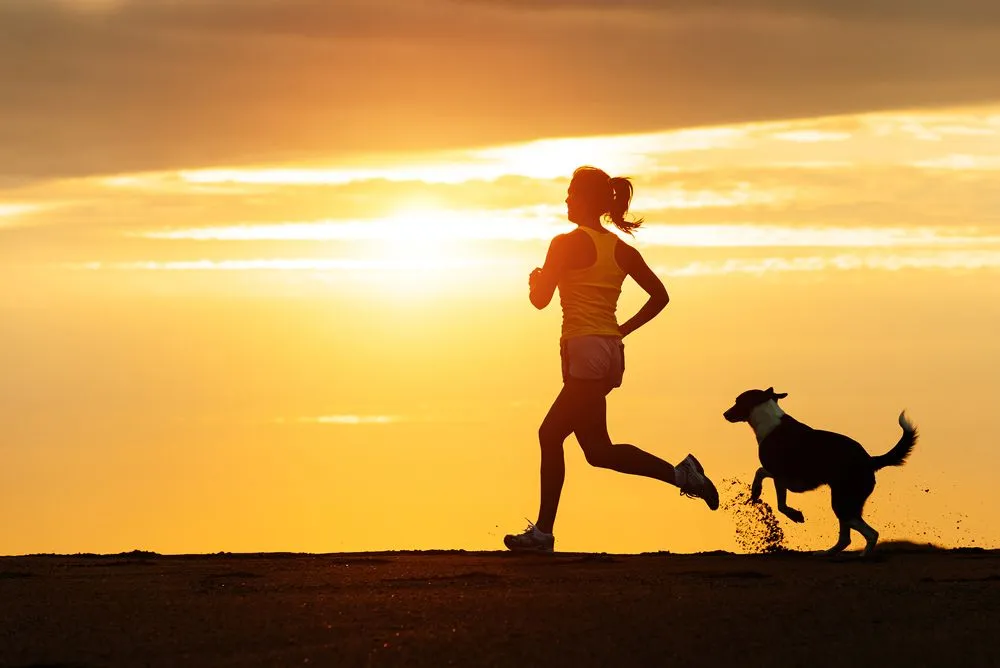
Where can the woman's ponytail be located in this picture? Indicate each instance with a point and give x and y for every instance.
(621, 197)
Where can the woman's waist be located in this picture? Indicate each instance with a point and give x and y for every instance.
(611, 339)
(573, 330)
(588, 306)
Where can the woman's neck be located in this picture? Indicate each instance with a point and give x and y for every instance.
(594, 224)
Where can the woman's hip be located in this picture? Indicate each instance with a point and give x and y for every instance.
(593, 358)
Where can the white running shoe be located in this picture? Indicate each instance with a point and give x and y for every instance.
(696, 483)
(531, 540)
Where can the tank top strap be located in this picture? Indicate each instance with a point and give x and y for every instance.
(604, 242)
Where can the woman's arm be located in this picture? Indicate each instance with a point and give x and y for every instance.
(636, 267)
(542, 282)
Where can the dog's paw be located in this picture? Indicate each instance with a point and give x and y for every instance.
(794, 515)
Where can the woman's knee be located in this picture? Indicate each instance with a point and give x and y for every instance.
(598, 454)
(550, 438)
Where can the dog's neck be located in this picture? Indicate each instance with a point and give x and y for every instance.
(764, 418)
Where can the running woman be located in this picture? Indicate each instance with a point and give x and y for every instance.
(588, 266)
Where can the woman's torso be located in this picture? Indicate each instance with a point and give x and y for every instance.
(589, 295)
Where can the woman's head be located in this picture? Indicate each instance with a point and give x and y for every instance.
(593, 194)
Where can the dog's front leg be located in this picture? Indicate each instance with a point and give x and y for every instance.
(758, 484)
(791, 513)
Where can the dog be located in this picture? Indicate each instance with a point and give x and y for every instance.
(800, 458)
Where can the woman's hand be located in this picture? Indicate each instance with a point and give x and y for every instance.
(542, 282)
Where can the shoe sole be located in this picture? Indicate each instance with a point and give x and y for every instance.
(518, 548)
(538, 550)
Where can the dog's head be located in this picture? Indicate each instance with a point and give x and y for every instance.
(746, 402)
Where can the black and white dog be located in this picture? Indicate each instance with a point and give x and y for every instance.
(801, 458)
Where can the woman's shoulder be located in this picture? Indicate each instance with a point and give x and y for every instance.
(626, 255)
(572, 240)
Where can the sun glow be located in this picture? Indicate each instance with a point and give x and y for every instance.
(418, 238)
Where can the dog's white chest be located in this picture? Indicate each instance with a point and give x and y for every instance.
(764, 418)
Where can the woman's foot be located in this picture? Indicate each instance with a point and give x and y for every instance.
(531, 540)
(694, 483)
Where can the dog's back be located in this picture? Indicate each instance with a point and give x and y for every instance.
(803, 458)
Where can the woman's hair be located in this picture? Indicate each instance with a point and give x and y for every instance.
(611, 195)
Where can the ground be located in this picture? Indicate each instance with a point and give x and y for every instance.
(905, 607)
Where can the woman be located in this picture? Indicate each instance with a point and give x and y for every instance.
(588, 265)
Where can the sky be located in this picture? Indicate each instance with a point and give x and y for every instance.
(263, 264)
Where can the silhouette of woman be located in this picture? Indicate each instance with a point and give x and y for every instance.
(588, 266)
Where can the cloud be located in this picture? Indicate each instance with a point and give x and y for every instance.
(382, 266)
(10, 211)
(524, 229)
(153, 85)
(961, 260)
(963, 12)
(962, 163)
(352, 420)
(933, 259)
(744, 186)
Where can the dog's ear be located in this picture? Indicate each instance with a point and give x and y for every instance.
(776, 395)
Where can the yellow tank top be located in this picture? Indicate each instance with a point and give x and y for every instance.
(589, 296)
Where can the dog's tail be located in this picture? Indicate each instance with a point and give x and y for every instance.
(897, 456)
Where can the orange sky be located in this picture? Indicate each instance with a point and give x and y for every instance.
(247, 311)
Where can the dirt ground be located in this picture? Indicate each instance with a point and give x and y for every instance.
(905, 607)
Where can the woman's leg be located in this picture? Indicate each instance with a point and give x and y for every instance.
(581, 408)
(590, 426)
(557, 425)
(592, 432)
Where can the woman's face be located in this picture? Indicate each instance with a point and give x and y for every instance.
(571, 204)
(579, 207)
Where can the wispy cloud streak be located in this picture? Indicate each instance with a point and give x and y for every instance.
(958, 259)
(478, 226)
(351, 420)
(966, 260)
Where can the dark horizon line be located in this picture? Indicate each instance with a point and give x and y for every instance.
(898, 546)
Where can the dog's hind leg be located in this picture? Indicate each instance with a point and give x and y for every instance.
(870, 534)
(848, 498)
(843, 540)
